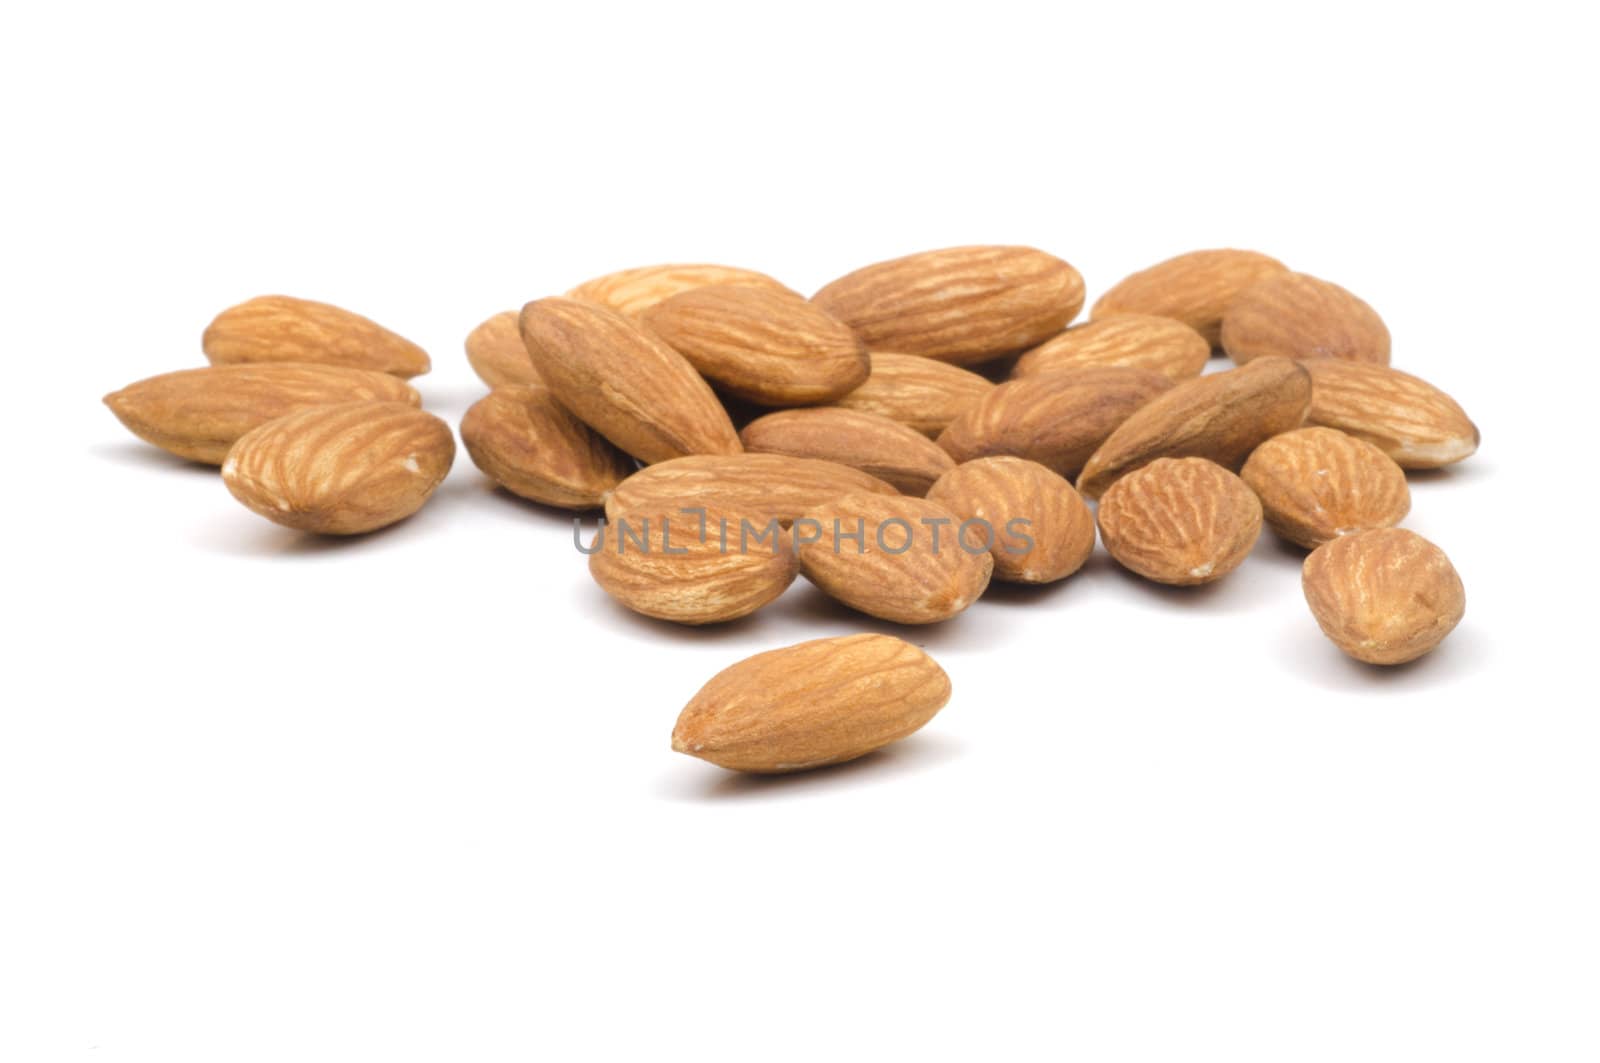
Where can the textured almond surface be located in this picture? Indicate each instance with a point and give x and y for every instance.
(496, 352)
(962, 304)
(1181, 521)
(1316, 484)
(624, 382)
(529, 444)
(760, 486)
(199, 413)
(902, 457)
(815, 703)
(1295, 315)
(633, 291)
(1386, 596)
(341, 470)
(281, 328)
(1409, 419)
(1041, 529)
(919, 392)
(1196, 288)
(1135, 341)
(1223, 417)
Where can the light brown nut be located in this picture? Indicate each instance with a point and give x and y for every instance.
(624, 382)
(1196, 288)
(199, 413)
(815, 703)
(1317, 484)
(1222, 417)
(766, 345)
(893, 557)
(1041, 530)
(281, 328)
(761, 486)
(961, 305)
(1407, 418)
(1295, 315)
(341, 470)
(918, 392)
(899, 456)
(1057, 419)
(525, 441)
(633, 291)
(1137, 341)
(1181, 521)
(1385, 596)
(496, 352)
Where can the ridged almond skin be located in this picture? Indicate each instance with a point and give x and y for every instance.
(1180, 521)
(765, 345)
(917, 574)
(341, 470)
(525, 441)
(1296, 315)
(901, 457)
(1055, 419)
(920, 393)
(633, 291)
(1316, 484)
(281, 328)
(1196, 288)
(497, 354)
(761, 486)
(1222, 417)
(200, 413)
(962, 305)
(624, 382)
(812, 704)
(1407, 418)
(1134, 341)
(1385, 596)
(1058, 536)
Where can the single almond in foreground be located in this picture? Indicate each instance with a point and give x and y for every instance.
(1386, 596)
(1040, 529)
(1180, 521)
(1295, 315)
(899, 456)
(281, 328)
(1317, 484)
(529, 444)
(762, 487)
(921, 393)
(1195, 288)
(1134, 341)
(1406, 417)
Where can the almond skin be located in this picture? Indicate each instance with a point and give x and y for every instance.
(341, 470)
(765, 345)
(899, 456)
(529, 444)
(1058, 535)
(920, 393)
(1135, 341)
(1316, 484)
(281, 328)
(200, 413)
(496, 352)
(1407, 418)
(761, 486)
(916, 573)
(1180, 521)
(1385, 596)
(1222, 417)
(633, 291)
(962, 305)
(1295, 315)
(816, 703)
(624, 382)
(1196, 288)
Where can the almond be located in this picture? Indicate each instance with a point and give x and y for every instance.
(497, 354)
(624, 382)
(960, 305)
(899, 456)
(199, 413)
(1407, 418)
(1317, 484)
(760, 486)
(341, 470)
(920, 393)
(1136, 341)
(811, 704)
(281, 328)
(1385, 596)
(766, 345)
(1041, 530)
(529, 444)
(1223, 417)
(633, 291)
(1295, 315)
(1196, 288)
(1181, 521)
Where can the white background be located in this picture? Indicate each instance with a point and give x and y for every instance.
(410, 797)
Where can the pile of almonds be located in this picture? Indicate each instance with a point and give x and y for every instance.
(943, 393)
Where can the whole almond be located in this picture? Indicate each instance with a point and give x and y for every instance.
(1295, 315)
(633, 291)
(1385, 596)
(199, 413)
(1136, 341)
(1317, 484)
(766, 345)
(962, 304)
(1041, 530)
(919, 392)
(815, 703)
(341, 470)
(281, 328)
(1407, 418)
(624, 382)
(1196, 288)
(1222, 416)
(899, 456)
(761, 486)
(529, 444)
(497, 354)
(1180, 521)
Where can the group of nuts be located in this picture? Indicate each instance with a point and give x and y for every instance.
(864, 436)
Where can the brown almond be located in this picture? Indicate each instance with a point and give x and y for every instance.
(281, 328)
(1041, 530)
(497, 354)
(633, 291)
(761, 486)
(1407, 418)
(1135, 341)
(1295, 315)
(920, 393)
(899, 456)
(1196, 288)
(525, 441)
(1385, 596)
(1180, 521)
(1317, 484)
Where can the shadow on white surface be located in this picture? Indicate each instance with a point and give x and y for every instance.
(1462, 655)
(701, 782)
(809, 609)
(132, 454)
